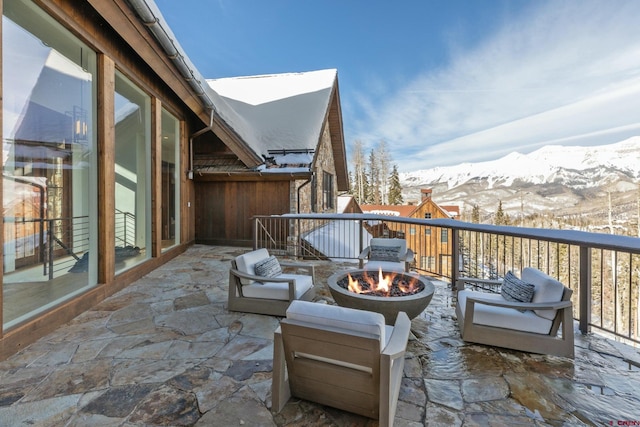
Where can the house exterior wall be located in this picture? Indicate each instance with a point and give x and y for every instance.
(431, 245)
(80, 22)
(224, 208)
(436, 245)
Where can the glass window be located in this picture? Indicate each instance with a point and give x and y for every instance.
(327, 190)
(427, 215)
(49, 163)
(132, 171)
(170, 180)
(444, 235)
(427, 231)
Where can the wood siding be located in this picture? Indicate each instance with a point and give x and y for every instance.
(224, 209)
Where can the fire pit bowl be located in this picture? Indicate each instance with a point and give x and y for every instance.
(388, 305)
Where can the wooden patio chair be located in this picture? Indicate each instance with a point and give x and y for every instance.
(388, 254)
(258, 285)
(489, 318)
(340, 357)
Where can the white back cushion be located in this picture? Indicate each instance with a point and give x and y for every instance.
(547, 289)
(339, 317)
(378, 241)
(246, 263)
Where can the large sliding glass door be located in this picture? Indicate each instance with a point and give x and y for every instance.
(133, 174)
(49, 163)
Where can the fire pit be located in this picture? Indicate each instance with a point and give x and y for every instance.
(383, 292)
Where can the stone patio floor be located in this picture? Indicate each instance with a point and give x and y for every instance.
(166, 352)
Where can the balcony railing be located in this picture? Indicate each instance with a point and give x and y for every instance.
(602, 269)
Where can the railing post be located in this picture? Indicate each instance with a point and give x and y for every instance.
(455, 258)
(361, 248)
(298, 240)
(255, 232)
(50, 249)
(585, 289)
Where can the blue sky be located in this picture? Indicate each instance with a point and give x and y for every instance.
(441, 82)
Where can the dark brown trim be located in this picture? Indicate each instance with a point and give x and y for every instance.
(156, 177)
(106, 171)
(337, 140)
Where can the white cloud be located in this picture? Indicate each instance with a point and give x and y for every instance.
(561, 72)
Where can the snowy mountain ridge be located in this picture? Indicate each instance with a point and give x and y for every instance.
(576, 167)
(561, 180)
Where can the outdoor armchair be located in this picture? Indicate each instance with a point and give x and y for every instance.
(340, 357)
(388, 254)
(500, 320)
(258, 285)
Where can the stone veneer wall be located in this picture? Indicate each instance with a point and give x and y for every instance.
(324, 163)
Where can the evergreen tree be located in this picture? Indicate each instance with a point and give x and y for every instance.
(475, 214)
(395, 189)
(501, 217)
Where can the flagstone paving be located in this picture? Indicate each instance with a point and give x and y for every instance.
(166, 352)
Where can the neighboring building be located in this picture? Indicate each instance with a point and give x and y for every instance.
(434, 240)
(348, 204)
(118, 154)
(293, 122)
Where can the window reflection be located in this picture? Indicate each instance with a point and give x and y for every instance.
(49, 174)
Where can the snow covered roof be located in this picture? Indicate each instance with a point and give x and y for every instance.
(390, 210)
(343, 202)
(277, 111)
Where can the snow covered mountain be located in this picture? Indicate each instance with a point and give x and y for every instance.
(569, 180)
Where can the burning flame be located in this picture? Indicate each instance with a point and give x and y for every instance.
(383, 284)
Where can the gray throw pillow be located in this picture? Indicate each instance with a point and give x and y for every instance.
(385, 253)
(516, 290)
(268, 267)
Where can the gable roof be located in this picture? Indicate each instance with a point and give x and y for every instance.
(283, 117)
(281, 111)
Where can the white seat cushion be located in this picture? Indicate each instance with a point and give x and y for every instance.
(278, 290)
(246, 263)
(547, 289)
(339, 317)
(503, 317)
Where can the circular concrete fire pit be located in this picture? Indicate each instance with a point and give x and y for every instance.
(413, 304)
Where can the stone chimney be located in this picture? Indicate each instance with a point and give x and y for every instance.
(426, 193)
